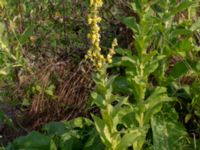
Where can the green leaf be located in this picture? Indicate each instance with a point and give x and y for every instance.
(150, 67)
(3, 72)
(179, 69)
(26, 102)
(155, 97)
(110, 81)
(130, 22)
(185, 45)
(188, 117)
(79, 122)
(183, 5)
(2, 116)
(154, 102)
(2, 3)
(121, 83)
(93, 142)
(102, 130)
(38, 88)
(139, 87)
(55, 128)
(197, 66)
(132, 138)
(196, 25)
(180, 31)
(98, 100)
(157, 8)
(71, 141)
(168, 133)
(124, 61)
(53, 145)
(180, 7)
(137, 5)
(124, 52)
(33, 141)
(26, 34)
(50, 90)
(120, 113)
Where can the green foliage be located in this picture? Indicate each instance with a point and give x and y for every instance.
(4, 119)
(125, 121)
(142, 97)
(75, 134)
(168, 133)
(32, 141)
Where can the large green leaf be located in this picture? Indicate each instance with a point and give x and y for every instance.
(184, 4)
(121, 83)
(134, 137)
(180, 31)
(55, 128)
(156, 97)
(131, 23)
(71, 141)
(53, 145)
(94, 141)
(179, 69)
(33, 141)
(102, 130)
(124, 61)
(124, 52)
(137, 5)
(154, 102)
(168, 133)
(139, 87)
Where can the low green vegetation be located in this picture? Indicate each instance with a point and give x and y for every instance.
(144, 93)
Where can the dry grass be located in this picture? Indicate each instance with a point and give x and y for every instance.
(73, 84)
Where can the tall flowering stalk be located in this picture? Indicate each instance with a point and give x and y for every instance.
(94, 53)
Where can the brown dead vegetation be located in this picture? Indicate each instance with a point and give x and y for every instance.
(73, 84)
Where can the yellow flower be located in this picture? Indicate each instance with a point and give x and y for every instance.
(114, 43)
(90, 20)
(94, 53)
(96, 28)
(91, 2)
(101, 57)
(112, 51)
(109, 60)
(109, 56)
(99, 64)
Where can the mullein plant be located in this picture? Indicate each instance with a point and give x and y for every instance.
(125, 121)
(122, 124)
